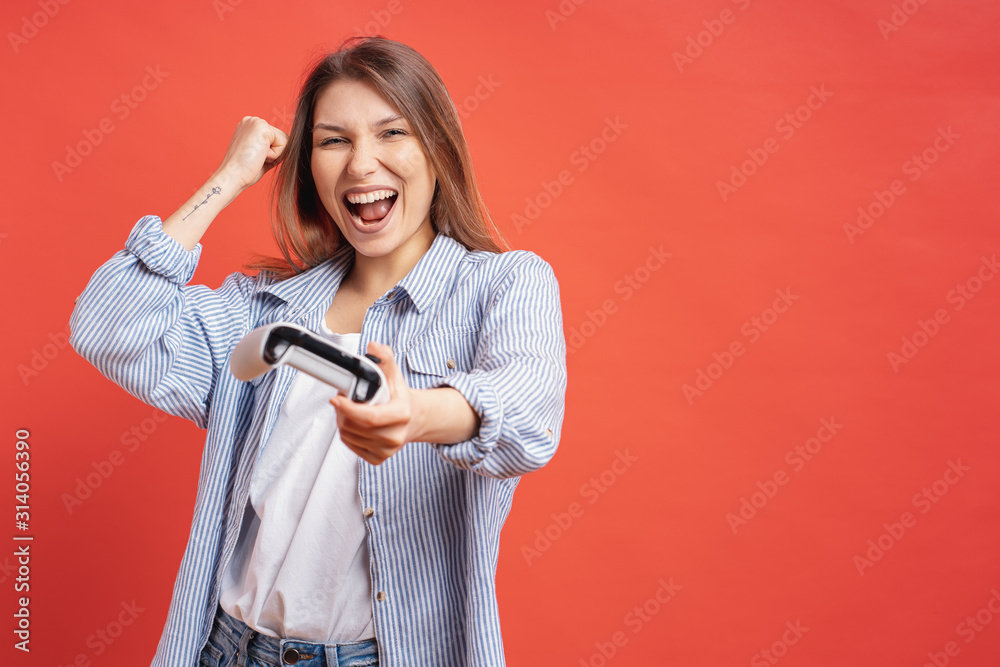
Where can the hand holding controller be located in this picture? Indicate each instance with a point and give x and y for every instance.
(269, 346)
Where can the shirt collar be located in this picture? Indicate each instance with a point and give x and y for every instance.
(423, 284)
(425, 281)
(319, 283)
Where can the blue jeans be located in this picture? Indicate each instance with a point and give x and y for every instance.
(233, 644)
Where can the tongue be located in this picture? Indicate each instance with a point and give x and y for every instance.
(376, 210)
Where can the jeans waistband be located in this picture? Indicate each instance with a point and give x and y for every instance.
(292, 651)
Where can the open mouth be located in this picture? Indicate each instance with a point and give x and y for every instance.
(369, 208)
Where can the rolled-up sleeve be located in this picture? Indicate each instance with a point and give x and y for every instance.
(144, 329)
(518, 383)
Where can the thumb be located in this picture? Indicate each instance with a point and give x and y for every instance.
(279, 141)
(387, 362)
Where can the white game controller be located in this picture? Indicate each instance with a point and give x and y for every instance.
(264, 348)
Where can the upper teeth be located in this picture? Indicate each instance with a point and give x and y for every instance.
(369, 197)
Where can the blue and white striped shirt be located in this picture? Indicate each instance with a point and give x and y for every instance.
(487, 324)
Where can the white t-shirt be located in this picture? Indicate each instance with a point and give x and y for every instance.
(301, 568)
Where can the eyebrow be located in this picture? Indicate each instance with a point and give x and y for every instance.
(337, 128)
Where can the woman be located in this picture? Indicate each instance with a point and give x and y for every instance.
(322, 526)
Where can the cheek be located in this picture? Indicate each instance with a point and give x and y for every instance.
(325, 169)
(325, 187)
(413, 164)
(326, 192)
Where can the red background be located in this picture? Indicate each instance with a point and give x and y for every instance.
(571, 575)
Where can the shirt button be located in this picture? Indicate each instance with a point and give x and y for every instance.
(548, 432)
(381, 596)
(450, 363)
(390, 295)
(369, 512)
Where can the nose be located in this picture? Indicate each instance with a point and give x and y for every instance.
(364, 158)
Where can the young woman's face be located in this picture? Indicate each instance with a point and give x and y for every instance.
(371, 172)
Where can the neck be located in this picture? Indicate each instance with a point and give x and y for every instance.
(373, 276)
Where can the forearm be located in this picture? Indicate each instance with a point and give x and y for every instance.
(254, 148)
(518, 385)
(443, 416)
(190, 222)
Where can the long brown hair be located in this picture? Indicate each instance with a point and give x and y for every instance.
(303, 230)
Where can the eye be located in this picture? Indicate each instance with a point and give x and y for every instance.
(395, 132)
(331, 141)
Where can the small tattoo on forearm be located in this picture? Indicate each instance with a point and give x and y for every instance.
(215, 191)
